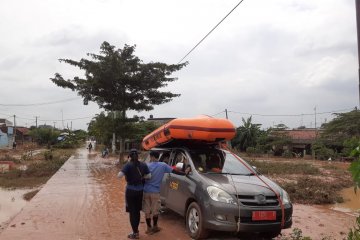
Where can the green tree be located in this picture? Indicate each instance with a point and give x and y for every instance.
(44, 135)
(342, 133)
(343, 127)
(103, 125)
(246, 135)
(117, 80)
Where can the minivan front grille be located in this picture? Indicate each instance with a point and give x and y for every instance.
(258, 200)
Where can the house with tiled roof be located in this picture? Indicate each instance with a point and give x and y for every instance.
(5, 122)
(301, 140)
(7, 135)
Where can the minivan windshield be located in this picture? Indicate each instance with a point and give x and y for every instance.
(215, 161)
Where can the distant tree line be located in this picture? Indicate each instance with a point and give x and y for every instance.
(50, 137)
(103, 125)
(337, 139)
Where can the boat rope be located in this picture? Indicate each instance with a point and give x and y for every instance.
(269, 187)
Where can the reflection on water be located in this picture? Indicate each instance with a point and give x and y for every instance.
(11, 203)
(351, 201)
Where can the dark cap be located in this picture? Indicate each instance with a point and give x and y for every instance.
(154, 154)
(134, 151)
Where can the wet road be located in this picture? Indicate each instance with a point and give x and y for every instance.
(85, 200)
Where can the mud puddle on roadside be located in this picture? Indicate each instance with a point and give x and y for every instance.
(351, 204)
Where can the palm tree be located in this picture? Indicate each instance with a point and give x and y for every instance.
(246, 135)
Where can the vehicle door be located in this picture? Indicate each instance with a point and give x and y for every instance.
(179, 186)
(166, 157)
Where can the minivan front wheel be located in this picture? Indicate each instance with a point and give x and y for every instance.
(194, 222)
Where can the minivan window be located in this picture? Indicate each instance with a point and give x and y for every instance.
(217, 161)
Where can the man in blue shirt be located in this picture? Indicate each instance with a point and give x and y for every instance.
(151, 202)
(135, 172)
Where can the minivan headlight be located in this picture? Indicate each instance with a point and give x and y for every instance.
(220, 195)
(285, 197)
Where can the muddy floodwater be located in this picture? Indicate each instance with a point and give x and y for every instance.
(85, 200)
(11, 203)
(351, 202)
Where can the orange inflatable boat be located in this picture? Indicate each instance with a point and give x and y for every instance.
(202, 128)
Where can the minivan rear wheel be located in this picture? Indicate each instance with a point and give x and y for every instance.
(194, 222)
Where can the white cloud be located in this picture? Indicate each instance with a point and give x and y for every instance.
(268, 57)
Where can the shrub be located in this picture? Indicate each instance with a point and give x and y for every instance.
(48, 155)
(287, 154)
(310, 191)
(354, 233)
(252, 151)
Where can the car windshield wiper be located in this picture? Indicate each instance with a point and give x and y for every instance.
(242, 174)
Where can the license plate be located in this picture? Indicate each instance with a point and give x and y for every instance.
(263, 215)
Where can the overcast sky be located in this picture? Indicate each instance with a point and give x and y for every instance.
(278, 57)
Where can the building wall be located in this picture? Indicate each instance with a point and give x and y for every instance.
(4, 140)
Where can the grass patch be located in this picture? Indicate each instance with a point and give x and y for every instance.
(37, 173)
(272, 168)
(28, 196)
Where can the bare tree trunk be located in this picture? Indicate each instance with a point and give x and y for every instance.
(113, 145)
(122, 141)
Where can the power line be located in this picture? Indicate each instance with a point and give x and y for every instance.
(216, 114)
(51, 120)
(69, 119)
(210, 31)
(38, 104)
(291, 115)
(6, 114)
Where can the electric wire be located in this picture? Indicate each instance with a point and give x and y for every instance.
(216, 114)
(68, 119)
(210, 32)
(291, 115)
(38, 104)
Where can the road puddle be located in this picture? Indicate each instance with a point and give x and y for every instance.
(11, 203)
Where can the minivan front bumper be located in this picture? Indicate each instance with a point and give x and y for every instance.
(223, 217)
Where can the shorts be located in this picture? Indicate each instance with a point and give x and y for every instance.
(151, 204)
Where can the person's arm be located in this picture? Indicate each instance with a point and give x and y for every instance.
(123, 171)
(147, 176)
(169, 169)
(120, 174)
(178, 172)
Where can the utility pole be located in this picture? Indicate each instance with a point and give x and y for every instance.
(313, 152)
(357, 8)
(36, 117)
(228, 143)
(315, 122)
(14, 128)
(113, 146)
(62, 118)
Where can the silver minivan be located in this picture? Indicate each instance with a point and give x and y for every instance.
(222, 192)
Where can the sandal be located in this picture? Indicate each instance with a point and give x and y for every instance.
(133, 236)
(156, 229)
